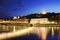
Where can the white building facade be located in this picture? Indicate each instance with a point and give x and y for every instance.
(41, 21)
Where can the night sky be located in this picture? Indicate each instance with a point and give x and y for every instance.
(9, 8)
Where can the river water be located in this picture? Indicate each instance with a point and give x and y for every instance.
(35, 37)
(38, 34)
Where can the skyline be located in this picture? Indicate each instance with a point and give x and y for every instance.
(9, 8)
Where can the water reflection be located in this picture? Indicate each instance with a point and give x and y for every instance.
(26, 37)
(54, 37)
(35, 37)
(42, 33)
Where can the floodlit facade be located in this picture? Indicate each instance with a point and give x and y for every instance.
(39, 20)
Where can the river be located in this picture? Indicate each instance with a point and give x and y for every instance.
(42, 33)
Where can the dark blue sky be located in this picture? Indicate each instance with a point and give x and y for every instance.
(10, 8)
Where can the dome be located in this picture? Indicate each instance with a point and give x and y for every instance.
(43, 12)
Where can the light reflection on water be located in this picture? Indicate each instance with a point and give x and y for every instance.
(36, 34)
(34, 37)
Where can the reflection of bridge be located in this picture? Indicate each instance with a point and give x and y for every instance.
(16, 33)
(33, 30)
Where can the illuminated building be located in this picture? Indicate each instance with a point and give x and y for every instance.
(14, 17)
(43, 12)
